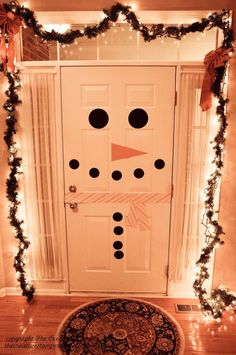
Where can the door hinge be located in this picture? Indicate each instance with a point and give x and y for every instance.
(167, 271)
(176, 98)
(172, 190)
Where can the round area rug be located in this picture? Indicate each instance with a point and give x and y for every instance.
(120, 326)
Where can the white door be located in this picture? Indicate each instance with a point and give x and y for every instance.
(118, 147)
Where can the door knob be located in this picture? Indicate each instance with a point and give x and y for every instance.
(72, 188)
(73, 205)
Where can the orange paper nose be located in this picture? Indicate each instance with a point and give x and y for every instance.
(122, 152)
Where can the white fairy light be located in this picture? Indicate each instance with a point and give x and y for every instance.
(133, 6)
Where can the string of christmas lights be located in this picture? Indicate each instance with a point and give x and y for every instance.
(219, 299)
(220, 20)
(15, 162)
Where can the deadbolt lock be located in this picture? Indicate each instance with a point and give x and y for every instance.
(73, 205)
(72, 188)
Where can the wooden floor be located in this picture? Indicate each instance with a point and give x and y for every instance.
(35, 325)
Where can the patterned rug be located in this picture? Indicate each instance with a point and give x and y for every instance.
(120, 326)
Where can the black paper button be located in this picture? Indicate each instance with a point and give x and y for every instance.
(159, 164)
(117, 216)
(116, 175)
(119, 254)
(117, 245)
(138, 173)
(118, 230)
(74, 164)
(94, 172)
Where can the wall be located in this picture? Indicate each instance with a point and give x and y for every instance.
(32, 48)
(225, 262)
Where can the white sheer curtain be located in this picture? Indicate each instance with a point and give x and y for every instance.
(197, 163)
(40, 173)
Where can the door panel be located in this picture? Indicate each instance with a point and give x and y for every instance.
(118, 145)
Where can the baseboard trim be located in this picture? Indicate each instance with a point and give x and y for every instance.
(127, 294)
(50, 292)
(3, 292)
(14, 291)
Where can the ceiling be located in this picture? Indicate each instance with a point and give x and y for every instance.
(78, 5)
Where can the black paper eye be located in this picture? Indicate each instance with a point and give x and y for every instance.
(116, 175)
(98, 118)
(74, 164)
(159, 164)
(138, 118)
(138, 173)
(119, 254)
(94, 172)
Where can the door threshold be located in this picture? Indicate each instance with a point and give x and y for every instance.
(117, 294)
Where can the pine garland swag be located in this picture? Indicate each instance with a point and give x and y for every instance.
(220, 299)
(220, 20)
(15, 162)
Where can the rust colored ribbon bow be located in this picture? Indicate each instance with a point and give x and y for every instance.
(10, 24)
(214, 59)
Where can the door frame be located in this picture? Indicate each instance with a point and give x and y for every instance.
(177, 167)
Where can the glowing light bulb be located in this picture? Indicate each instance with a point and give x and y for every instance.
(133, 6)
(61, 28)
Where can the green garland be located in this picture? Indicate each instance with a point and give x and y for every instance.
(15, 162)
(220, 299)
(220, 20)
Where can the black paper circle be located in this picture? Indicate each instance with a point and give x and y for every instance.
(117, 216)
(74, 164)
(119, 254)
(116, 175)
(98, 118)
(94, 172)
(159, 164)
(118, 230)
(138, 118)
(117, 245)
(138, 173)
